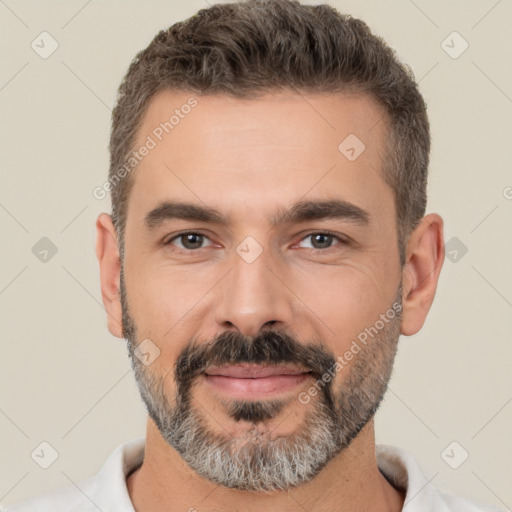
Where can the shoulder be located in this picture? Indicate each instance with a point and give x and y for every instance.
(65, 499)
(104, 491)
(403, 472)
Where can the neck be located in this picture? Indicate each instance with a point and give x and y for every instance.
(350, 482)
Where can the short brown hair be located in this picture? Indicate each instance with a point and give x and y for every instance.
(248, 48)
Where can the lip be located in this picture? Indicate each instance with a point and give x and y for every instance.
(254, 381)
(253, 371)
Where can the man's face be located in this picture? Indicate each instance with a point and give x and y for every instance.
(262, 284)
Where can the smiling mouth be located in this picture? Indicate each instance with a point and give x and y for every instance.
(255, 381)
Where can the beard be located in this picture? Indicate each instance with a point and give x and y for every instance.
(256, 461)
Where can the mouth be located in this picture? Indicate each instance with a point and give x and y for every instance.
(252, 381)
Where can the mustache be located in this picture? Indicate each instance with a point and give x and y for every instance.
(269, 348)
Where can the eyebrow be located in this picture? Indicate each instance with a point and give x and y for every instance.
(301, 211)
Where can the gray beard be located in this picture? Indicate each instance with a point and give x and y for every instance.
(255, 461)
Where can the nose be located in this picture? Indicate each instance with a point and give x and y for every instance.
(253, 296)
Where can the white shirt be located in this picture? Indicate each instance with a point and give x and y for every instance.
(107, 491)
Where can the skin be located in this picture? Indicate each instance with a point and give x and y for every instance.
(246, 158)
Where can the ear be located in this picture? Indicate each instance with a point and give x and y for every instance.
(424, 260)
(110, 271)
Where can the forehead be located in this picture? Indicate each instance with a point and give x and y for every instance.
(274, 117)
(230, 152)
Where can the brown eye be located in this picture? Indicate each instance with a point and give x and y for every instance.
(322, 240)
(188, 241)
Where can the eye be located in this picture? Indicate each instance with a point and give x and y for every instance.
(323, 240)
(188, 241)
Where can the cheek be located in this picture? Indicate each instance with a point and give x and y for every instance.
(164, 301)
(343, 301)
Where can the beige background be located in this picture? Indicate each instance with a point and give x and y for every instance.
(65, 380)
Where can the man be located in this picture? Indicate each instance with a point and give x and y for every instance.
(268, 245)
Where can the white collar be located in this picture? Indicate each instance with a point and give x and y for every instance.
(108, 492)
(397, 466)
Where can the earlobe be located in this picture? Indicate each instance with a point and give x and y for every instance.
(424, 260)
(109, 261)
